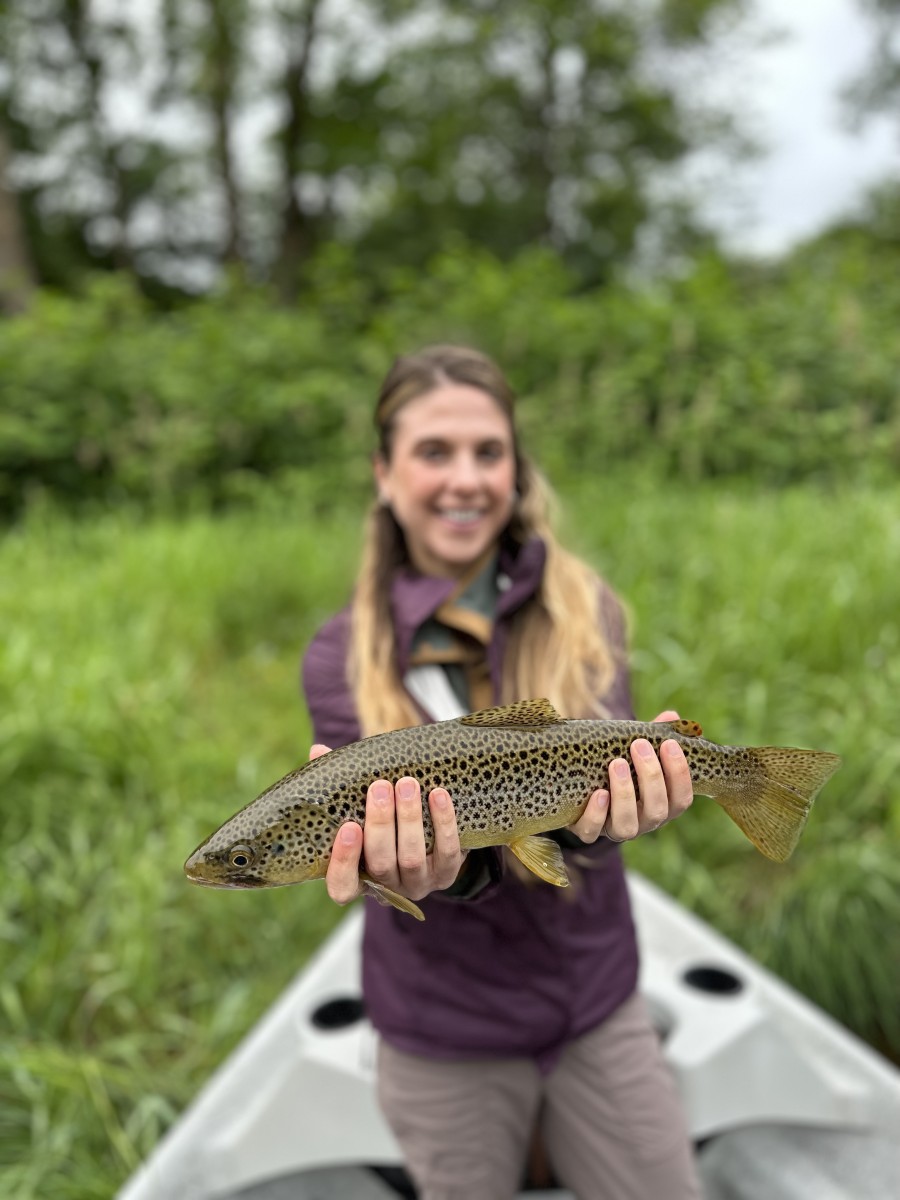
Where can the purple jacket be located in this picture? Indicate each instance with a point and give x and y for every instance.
(519, 970)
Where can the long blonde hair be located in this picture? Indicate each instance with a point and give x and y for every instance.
(557, 647)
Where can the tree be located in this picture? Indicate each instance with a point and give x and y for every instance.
(877, 90)
(83, 176)
(538, 121)
(192, 135)
(16, 275)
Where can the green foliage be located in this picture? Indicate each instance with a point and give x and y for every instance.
(153, 690)
(537, 123)
(103, 398)
(393, 126)
(780, 373)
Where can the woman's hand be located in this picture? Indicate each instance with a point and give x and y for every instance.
(665, 793)
(392, 844)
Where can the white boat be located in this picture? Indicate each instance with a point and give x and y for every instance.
(782, 1102)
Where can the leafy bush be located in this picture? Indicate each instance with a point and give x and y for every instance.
(781, 374)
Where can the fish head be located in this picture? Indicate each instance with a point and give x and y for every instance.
(266, 845)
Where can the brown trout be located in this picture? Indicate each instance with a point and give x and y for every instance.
(513, 773)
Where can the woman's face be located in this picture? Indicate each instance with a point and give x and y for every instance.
(451, 477)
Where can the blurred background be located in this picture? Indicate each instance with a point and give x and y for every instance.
(676, 225)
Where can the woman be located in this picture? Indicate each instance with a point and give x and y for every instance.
(514, 1003)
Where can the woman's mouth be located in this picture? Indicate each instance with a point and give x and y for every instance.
(461, 518)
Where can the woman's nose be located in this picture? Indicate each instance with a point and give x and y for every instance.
(466, 475)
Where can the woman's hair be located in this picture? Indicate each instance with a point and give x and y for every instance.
(557, 647)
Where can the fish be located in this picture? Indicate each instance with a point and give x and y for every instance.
(514, 772)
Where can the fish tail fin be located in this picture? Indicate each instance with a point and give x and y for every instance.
(772, 808)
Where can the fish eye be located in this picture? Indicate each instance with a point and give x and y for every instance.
(240, 856)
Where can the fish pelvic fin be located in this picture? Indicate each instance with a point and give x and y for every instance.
(389, 899)
(773, 813)
(543, 857)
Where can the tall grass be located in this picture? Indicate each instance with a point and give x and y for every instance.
(148, 688)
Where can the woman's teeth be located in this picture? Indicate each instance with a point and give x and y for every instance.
(461, 515)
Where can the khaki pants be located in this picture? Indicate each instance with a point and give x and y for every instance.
(609, 1115)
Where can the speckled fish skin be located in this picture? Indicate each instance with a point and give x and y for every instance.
(512, 772)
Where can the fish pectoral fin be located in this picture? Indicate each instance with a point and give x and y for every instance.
(389, 899)
(543, 857)
(528, 713)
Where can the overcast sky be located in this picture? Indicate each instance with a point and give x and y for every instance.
(815, 169)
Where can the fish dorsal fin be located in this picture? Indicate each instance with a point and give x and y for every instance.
(529, 713)
(685, 728)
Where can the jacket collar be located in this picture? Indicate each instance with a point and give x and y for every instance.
(416, 597)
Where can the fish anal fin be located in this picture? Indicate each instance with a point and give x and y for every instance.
(529, 713)
(542, 857)
(386, 897)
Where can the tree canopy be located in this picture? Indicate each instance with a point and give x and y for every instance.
(181, 138)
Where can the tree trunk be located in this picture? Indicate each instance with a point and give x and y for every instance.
(296, 242)
(224, 65)
(17, 280)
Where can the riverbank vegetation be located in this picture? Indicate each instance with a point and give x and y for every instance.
(149, 684)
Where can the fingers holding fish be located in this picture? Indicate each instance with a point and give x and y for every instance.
(664, 790)
(380, 834)
(678, 778)
(448, 857)
(653, 806)
(412, 862)
(419, 872)
(623, 822)
(589, 825)
(342, 876)
(394, 838)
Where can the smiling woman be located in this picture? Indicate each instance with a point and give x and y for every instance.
(510, 1002)
(450, 480)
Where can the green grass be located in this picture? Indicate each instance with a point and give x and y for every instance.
(148, 688)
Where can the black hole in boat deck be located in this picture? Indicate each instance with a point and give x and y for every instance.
(339, 1013)
(716, 981)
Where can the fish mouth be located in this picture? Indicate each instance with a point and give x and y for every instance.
(206, 874)
(237, 882)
